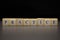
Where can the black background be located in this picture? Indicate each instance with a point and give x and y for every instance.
(29, 9)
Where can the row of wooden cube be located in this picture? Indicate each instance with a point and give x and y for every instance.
(31, 21)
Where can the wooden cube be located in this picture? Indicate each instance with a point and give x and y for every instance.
(5, 21)
(26, 21)
(12, 21)
(20, 21)
(40, 21)
(33, 21)
(54, 21)
(47, 21)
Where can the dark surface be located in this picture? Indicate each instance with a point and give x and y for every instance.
(29, 32)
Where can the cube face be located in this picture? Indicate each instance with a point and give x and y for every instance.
(33, 21)
(47, 21)
(12, 21)
(54, 21)
(26, 21)
(40, 21)
(5, 21)
(19, 21)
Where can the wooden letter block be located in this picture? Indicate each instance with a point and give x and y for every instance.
(54, 21)
(26, 22)
(40, 21)
(47, 21)
(12, 21)
(19, 21)
(5, 21)
(33, 21)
